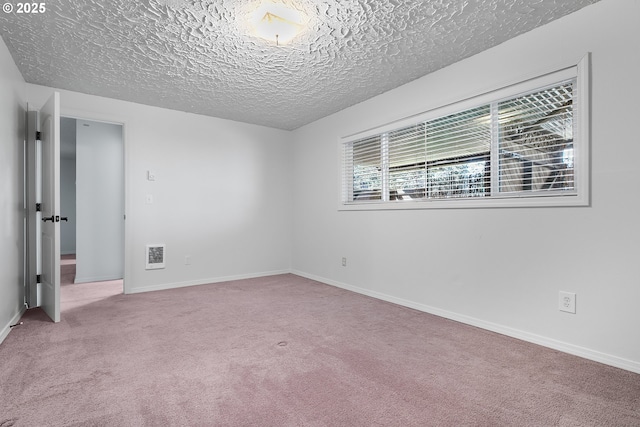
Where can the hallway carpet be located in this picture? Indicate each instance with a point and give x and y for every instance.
(78, 294)
(288, 351)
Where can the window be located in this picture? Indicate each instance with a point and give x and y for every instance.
(535, 140)
(515, 146)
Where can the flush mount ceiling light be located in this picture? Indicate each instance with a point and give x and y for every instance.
(277, 23)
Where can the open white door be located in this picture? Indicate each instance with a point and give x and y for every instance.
(50, 205)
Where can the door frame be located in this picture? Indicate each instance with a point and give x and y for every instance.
(122, 121)
(32, 184)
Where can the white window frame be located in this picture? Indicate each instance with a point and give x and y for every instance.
(580, 196)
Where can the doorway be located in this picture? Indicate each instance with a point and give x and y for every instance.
(92, 198)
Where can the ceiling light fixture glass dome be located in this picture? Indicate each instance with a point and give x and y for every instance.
(277, 23)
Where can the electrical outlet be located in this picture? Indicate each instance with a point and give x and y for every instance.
(151, 176)
(344, 262)
(567, 302)
(149, 199)
(187, 260)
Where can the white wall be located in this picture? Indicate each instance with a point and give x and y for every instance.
(12, 133)
(504, 279)
(68, 185)
(99, 201)
(222, 192)
(68, 205)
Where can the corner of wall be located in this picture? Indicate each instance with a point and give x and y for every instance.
(12, 124)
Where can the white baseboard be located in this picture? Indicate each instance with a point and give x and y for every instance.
(15, 319)
(199, 282)
(95, 279)
(575, 350)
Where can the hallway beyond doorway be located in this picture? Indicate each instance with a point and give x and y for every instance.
(74, 295)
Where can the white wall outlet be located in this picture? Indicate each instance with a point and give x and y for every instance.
(151, 176)
(187, 260)
(344, 262)
(149, 199)
(567, 302)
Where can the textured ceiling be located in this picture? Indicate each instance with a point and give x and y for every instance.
(199, 55)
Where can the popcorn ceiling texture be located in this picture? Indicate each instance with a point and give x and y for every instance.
(200, 56)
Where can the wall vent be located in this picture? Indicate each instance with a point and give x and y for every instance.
(155, 257)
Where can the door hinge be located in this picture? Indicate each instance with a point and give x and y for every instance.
(38, 207)
(38, 278)
(38, 135)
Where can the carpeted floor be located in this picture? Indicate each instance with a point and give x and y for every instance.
(74, 295)
(287, 351)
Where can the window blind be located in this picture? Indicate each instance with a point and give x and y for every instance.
(536, 141)
(519, 145)
(363, 169)
(407, 160)
(459, 146)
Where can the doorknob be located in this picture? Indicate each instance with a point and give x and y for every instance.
(55, 218)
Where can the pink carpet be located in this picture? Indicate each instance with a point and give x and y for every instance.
(79, 294)
(287, 351)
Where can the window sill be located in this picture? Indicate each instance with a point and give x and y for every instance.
(555, 200)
